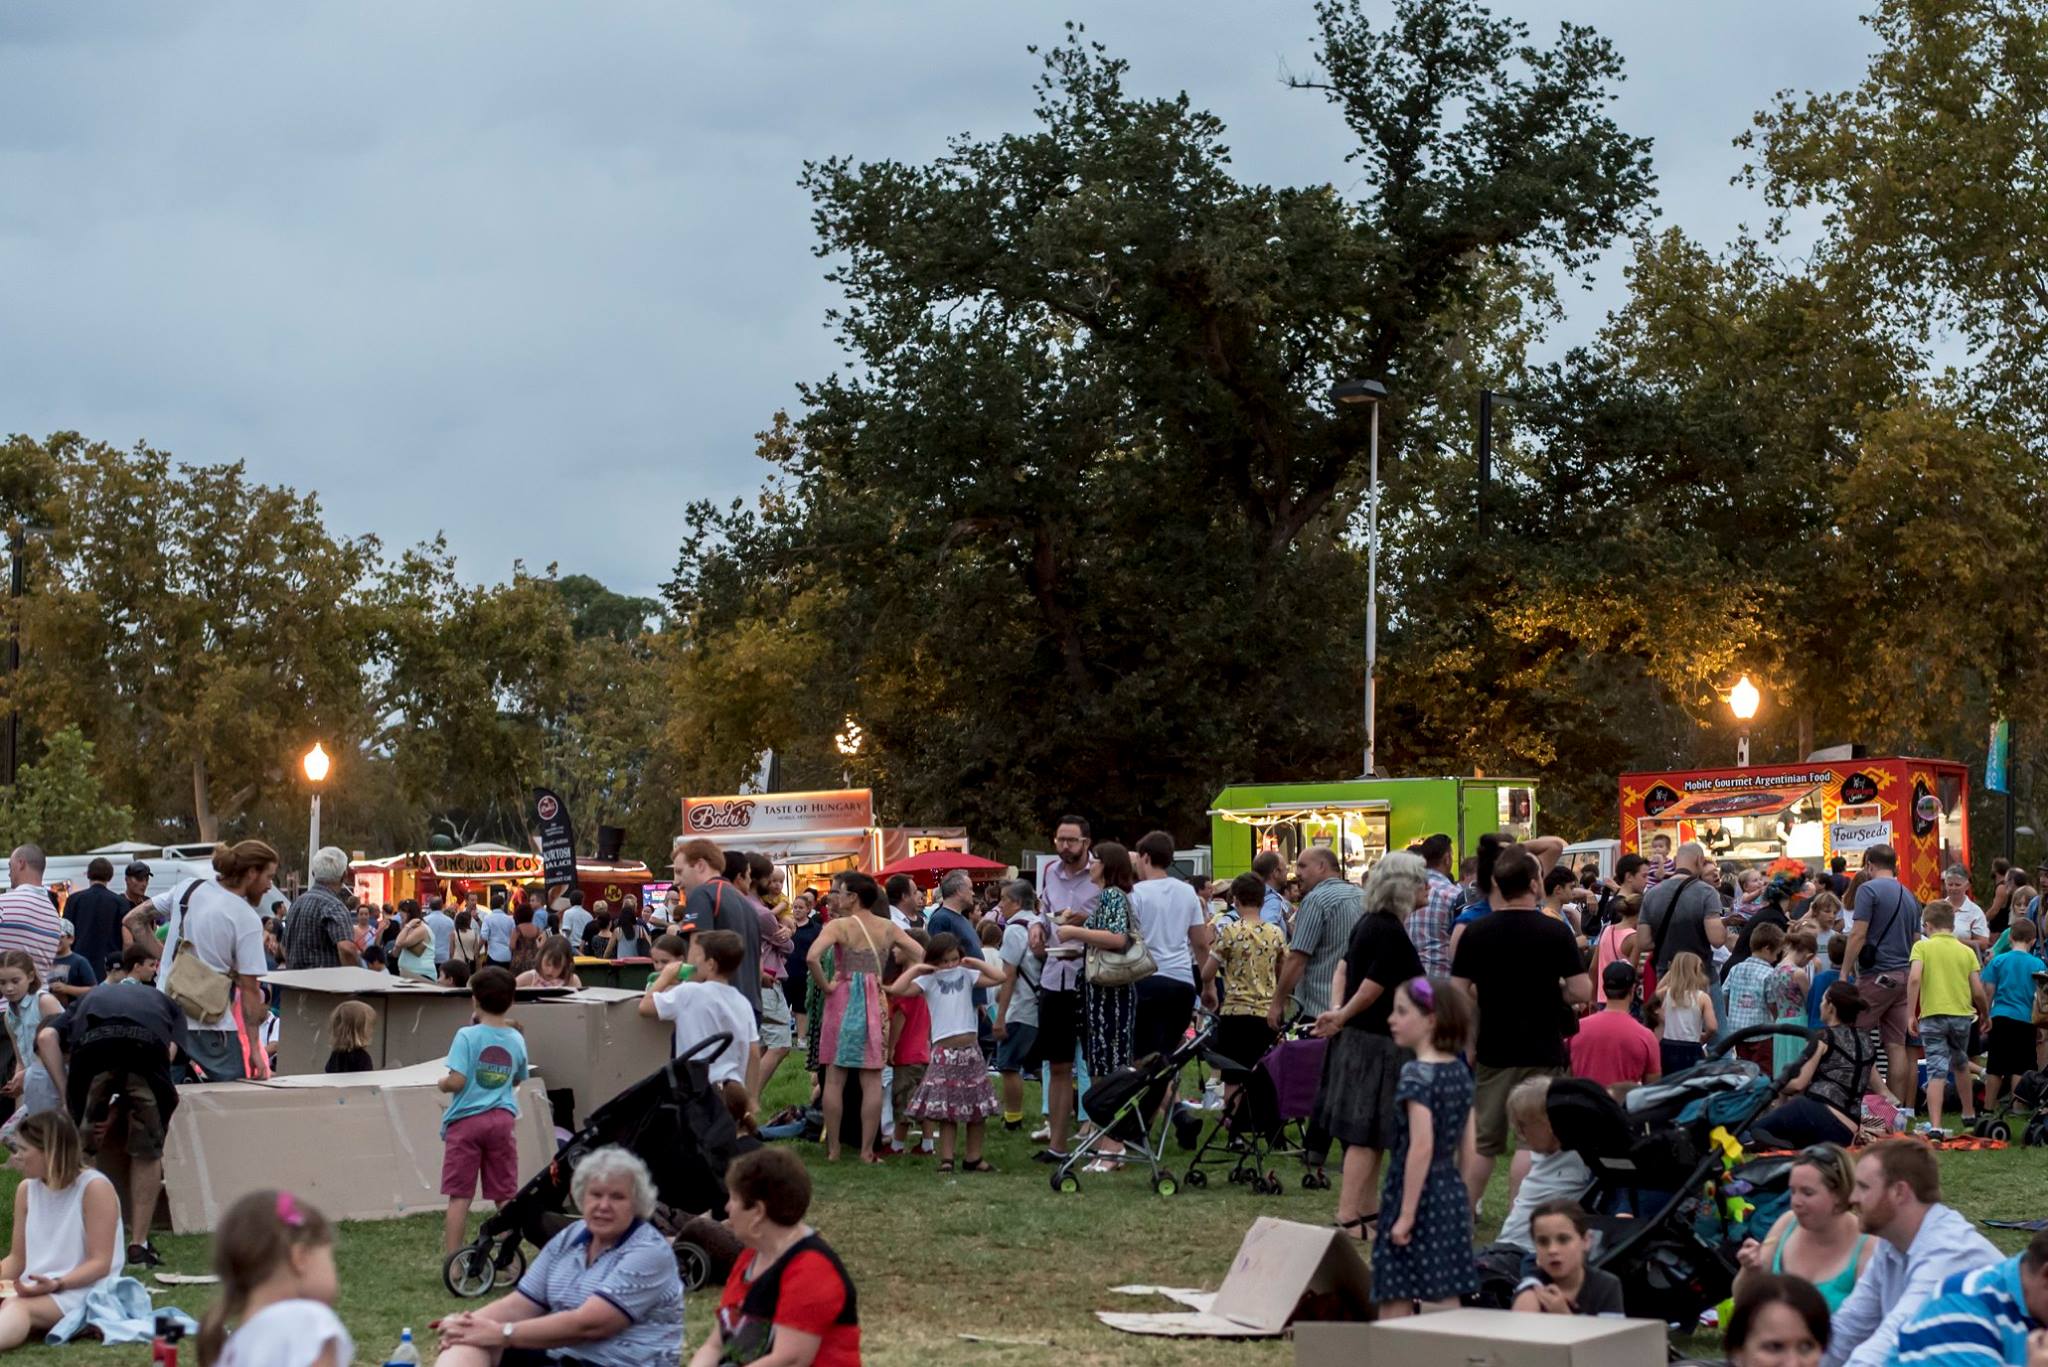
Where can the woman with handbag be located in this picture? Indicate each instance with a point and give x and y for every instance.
(1109, 1010)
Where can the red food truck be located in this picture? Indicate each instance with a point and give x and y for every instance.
(1810, 811)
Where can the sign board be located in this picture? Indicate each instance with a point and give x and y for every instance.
(850, 809)
(443, 864)
(557, 838)
(1854, 837)
(1998, 759)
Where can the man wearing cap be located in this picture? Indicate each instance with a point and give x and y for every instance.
(71, 973)
(1612, 1047)
(138, 918)
(95, 912)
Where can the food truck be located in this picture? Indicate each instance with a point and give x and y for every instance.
(811, 835)
(1811, 811)
(1362, 819)
(447, 874)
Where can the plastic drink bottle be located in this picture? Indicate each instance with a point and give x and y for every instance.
(404, 1355)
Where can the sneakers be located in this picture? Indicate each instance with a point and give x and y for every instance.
(1013, 1125)
(1048, 1156)
(142, 1255)
(1041, 1134)
(1932, 1135)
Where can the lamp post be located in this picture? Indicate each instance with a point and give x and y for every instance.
(848, 742)
(1350, 394)
(1743, 700)
(17, 584)
(316, 765)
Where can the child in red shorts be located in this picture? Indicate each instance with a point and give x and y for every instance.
(486, 1064)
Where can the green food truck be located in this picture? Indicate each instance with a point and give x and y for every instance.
(1363, 818)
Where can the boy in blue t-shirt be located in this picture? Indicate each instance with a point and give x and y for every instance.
(2009, 977)
(486, 1064)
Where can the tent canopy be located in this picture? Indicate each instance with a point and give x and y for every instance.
(927, 868)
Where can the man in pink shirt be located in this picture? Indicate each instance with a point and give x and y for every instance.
(1612, 1047)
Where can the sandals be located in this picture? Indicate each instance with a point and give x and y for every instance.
(945, 1168)
(977, 1165)
(1359, 1223)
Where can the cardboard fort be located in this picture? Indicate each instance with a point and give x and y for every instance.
(1283, 1272)
(360, 1146)
(592, 1042)
(1484, 1338)
(415, 1020)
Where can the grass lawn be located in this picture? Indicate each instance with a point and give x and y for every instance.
(1030, 1265)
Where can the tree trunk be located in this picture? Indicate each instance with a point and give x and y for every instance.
(1805, 732)
(202, 810)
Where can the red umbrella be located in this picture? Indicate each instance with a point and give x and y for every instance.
(927, 868)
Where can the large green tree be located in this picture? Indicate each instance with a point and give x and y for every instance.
(1076, 527)
(57, 802)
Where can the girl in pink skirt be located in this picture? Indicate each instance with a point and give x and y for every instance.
(956, 1090)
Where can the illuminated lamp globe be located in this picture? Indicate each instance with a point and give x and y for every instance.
(316, 764)
(1743, 699)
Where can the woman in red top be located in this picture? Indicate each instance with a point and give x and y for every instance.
(789, 1300)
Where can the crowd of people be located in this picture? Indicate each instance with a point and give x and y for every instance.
(1452, 997)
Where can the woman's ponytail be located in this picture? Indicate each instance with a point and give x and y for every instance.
(213, 1325)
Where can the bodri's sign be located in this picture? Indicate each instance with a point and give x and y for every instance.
(1854, 837)
(778, 813)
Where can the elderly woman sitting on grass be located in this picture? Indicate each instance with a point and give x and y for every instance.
(604, 1291)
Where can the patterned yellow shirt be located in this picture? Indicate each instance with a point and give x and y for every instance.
(1249, 952)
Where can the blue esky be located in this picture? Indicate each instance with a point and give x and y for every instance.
(534, 274)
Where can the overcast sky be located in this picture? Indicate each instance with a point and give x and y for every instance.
(534, 274)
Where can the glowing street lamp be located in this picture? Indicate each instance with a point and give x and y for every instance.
(1743, 701)
(316, 764)
(1370, 394)
(849, 742)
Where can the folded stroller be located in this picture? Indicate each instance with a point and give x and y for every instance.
(1121, 1106)
(1264, 1119)
(677, 1123)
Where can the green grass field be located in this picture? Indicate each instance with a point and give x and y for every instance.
(1000, 1256)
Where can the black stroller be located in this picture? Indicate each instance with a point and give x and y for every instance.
(677, 1123)
(1663, 1190)
(1264, 1118)
(1121, 1106)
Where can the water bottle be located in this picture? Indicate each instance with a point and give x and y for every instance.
(404, 1355)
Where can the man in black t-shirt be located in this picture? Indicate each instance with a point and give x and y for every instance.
(96, 913)
(1523, 969)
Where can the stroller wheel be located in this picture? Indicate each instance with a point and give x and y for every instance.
(1197, 1178)
(693, 1264)
(1998, 1130)
(1164, 1184)
(2035, 1135)
(1066, 1184)
(469, 1272)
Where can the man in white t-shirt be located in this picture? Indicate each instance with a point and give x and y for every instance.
(215, 919)
(708, 1004)
(1170, 918)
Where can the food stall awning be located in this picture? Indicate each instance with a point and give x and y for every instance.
(1716, 806)
(799, 847)
(1299, 811)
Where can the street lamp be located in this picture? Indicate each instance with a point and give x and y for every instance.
(1743, 700)
(17, 584)
(848, 742)
(316, 765)
(1350, 394)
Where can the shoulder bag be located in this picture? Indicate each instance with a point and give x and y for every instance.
(1866, 958)
(200, 990)
(1120, 967)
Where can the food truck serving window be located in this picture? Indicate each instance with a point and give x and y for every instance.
(1357, 831)
(1762, 824)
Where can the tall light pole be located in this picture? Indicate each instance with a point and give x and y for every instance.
(1743, 700)
(848, 742)
(1351, 393)
(17, 584)
(316, 765)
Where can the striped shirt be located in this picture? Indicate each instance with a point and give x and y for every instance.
(28, 922)
(1429, 925)
(1322, 931)
(1977, 1319)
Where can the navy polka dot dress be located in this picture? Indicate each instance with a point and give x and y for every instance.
(1436, 1263)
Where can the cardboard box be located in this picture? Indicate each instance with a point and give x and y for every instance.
(594, 1042)
(1283, 1271)
(415, 1020)
(359, 1146)
(1484, 1338)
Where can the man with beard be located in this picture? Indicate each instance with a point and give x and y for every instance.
(1922, 1244)
(1066, 896)
(214, 919)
